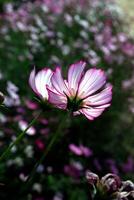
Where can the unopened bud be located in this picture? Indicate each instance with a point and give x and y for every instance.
(111, 182)
(92, 178)
(109, 187)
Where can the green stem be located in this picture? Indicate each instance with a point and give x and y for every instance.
(52, 141)
(7, 151)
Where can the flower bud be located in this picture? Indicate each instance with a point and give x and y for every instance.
(1, 97)
(111, 183)
(92, 178)
(109, 187)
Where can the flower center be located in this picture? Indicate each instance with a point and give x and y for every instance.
(74, 104)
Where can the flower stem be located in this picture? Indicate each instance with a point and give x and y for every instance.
(52, 141)
(21, 135)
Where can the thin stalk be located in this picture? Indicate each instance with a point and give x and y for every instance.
(19, 138)
(52, 141)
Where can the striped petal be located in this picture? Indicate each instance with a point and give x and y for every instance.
(42, 79)
(92, 81)
(38, 82)
(32, 80)
(92, 113)
(74, 76)
(58, 82)
(101, 99)
(57, 99)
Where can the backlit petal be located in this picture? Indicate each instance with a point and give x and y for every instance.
(75, 149)
(92, 81)
(57, 99)
(74, 76)
(58, 82)
(102, 98)
(32, 80)
(92, 113)
(41, 80)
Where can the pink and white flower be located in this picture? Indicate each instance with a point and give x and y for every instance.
(39, 81)
(82, 93)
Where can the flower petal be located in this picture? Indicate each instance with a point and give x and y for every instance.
(58, 82)
(32, 80)
(92, 81)
(42, 79)
(74, 76)
(75, 149)
(92, 113)
(58, 100)
(102, 98)
(87, 114)
(76, 113)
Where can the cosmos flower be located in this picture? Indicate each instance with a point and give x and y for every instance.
(82, 93)
(39, 81)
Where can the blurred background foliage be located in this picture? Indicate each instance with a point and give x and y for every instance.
(129, 14)
(45, 33)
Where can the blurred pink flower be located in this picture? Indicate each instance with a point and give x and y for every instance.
(23, 125)
(128, 167)
(74, 169)
(80, 150)
(122, 37)
(58, 196)
(40, 144)
(112, 166)
(128, 49)
(44, 131)
(54, 5)
(31, 105)
(39, 81)
(44, 121)
(86, 94)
